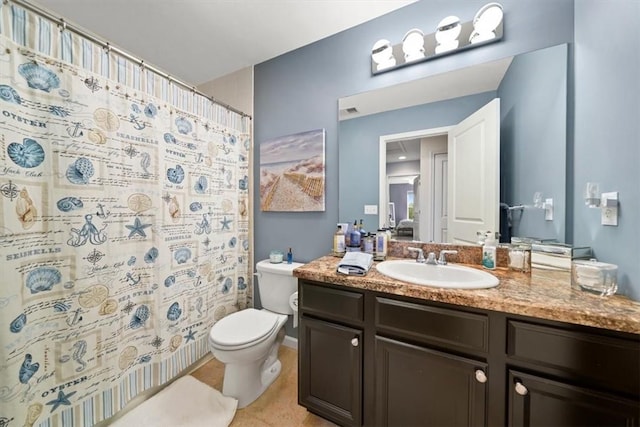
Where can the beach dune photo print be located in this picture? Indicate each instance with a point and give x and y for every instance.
(292, 173)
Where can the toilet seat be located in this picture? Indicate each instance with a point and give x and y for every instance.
(243, 329)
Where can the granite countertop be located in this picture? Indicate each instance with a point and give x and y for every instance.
(541, 295)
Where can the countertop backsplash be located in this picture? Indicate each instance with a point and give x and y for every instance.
(467, 254)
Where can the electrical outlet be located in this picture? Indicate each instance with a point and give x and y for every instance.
(609, 209)
(371, 209)
(548, 209)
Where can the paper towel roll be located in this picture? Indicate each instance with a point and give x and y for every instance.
(293, 303)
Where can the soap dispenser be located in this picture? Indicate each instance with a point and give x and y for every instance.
(339, 242)
(354, 237)
(489, 251)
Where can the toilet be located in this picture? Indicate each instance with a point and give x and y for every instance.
(247, 341)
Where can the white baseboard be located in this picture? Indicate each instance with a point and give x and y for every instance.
(290, 342)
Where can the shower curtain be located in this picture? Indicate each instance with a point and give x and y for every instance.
(123, 226)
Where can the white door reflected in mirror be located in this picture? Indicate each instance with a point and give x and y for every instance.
(459, 193)
(474, 175)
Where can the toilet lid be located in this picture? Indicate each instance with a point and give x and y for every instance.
(243, 327)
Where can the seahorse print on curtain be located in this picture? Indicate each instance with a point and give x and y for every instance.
(123, 238)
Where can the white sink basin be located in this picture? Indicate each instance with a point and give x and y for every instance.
(440, 276)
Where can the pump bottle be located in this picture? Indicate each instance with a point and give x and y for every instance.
(489, 251)
(354, 240)
(339, 242)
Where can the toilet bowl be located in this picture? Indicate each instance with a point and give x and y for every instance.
(247, 341)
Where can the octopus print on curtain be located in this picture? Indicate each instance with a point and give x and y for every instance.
(123, 238)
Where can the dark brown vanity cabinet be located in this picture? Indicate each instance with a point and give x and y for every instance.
(425, 371)
(330, 355)
(571, 376)
(539, 401)
(416, 384)
(373, 359)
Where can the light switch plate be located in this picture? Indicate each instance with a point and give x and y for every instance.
(371, 209)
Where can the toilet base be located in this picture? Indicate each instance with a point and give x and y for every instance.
(247, 382)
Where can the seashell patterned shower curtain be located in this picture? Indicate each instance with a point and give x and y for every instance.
(123, 227)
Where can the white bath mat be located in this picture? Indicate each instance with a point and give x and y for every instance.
(185, 403)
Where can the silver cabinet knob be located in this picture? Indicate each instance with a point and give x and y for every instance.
(481, 377)
(521, 389)
(354, 342)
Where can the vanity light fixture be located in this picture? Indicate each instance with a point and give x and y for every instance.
(382, 55)
(447, 34)
(451, 35)
(413, 45)
(485, 23)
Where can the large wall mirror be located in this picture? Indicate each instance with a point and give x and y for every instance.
(396, 152)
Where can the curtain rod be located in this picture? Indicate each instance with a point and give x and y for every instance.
(106, 45)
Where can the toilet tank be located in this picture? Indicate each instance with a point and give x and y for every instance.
(276, 284)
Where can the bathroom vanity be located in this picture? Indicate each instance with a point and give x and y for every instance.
(531, 352)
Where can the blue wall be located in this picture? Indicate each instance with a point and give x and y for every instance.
(533, 135)
(298, 91)
(607, 131)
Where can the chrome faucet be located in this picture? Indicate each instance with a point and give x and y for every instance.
(442, 259)
(420, 257)
(431, 259)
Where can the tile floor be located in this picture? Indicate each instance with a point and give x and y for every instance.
(278, 406)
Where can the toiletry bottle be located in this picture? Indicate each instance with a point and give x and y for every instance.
(363, 232)
(489, 251)
(481, 236)
(347, 237)
(338, 242)
(367, 243)
(289, 257)
(355, 236)
(381, 243)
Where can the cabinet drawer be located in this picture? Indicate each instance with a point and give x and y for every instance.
(428, 324)
(604, 360)
(332, 303)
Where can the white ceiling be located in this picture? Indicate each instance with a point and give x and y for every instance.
(199, 40)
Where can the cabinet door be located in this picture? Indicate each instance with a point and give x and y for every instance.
(537, 401)
(416, 386)
(330, 371)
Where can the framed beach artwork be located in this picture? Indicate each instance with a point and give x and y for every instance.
(292, 173)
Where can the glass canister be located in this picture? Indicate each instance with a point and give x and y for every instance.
(276, 257)
(593, 276)
(520, 258)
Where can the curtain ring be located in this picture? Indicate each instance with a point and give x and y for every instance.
(63, 25)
